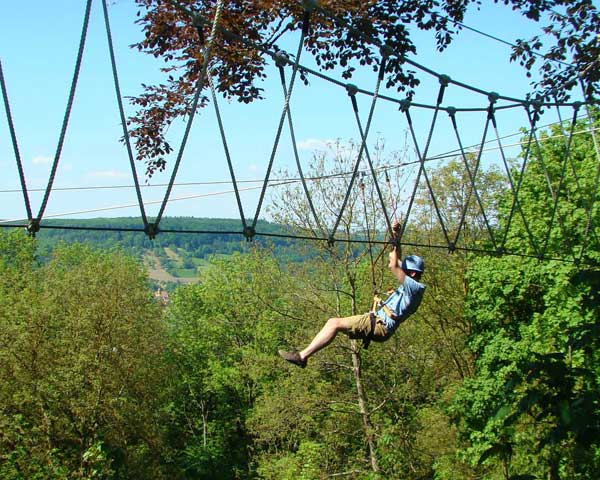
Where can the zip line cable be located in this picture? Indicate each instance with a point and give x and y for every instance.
(450, 154)
(500, 40)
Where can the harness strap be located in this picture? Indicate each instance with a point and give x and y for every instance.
(378, 304)
(388, 311)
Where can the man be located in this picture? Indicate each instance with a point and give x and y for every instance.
(380, 324)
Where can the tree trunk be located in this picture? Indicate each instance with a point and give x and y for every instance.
(362, 405)
(360, 392)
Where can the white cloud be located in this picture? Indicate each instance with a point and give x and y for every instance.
(314, 144)
(108, 174)
(41, 160)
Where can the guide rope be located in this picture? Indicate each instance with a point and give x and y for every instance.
(126, 137)
(34, 223)
(15, 144)
(152, 229)
(284, 113)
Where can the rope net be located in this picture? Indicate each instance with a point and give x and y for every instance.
(442, 178)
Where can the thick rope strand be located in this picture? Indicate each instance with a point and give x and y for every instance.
(15, 144)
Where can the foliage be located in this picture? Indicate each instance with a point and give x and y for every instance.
(532, 410)
(348, 44)
(573, 59)
(80, 362)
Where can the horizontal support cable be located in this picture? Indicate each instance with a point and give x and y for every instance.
(359, 241)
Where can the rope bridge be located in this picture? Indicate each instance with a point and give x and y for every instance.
(289, 67)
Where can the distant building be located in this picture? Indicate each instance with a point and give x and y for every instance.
(161, 296)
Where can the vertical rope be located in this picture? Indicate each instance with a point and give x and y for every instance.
(367, 154)
(286, 106)
(554, 194)
(567, 155)
(199, 87)
(391, 195)
(352, 93)
(113, 64)
(516, 191)
(443, 84)
(35, 222)
(592, 129)
(15, 144)
(297, 157)
(472, 175)
(361, 186)
(226, 149)
(564, 134)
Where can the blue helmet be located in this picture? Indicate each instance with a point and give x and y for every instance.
(413, 262)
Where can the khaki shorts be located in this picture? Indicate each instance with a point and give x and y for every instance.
(360, 328)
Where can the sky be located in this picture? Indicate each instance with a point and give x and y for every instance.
(38, 46)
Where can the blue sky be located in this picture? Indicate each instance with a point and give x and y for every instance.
(39, 44)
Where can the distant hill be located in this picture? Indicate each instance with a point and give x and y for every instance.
(187, 234)
(178, 250)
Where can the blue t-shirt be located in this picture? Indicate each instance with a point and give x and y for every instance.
(403, 302)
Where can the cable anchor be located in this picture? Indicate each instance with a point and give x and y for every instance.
(151, 230)
(249, 233)
(404, 105)
(281, 58)
(33, 226)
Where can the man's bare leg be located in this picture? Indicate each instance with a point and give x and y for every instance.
(324, 337)
(320, 341)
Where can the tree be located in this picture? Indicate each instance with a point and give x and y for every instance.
(222, 339)
(238, 67)
(403, 381)
(532, 407)
(80, 365)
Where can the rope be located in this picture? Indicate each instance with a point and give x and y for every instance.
(472, 176)
(443, 85)
(226, 149)
(349, 240)
(517, 190)
(15, 144)
(367, 154)
(126, 138)
(553, 194)
(391, 195)
(286, 105)
(580, 189)
(153, 228)
(297, 157)
(35, 223)
(556, 197)
(592, 131)
(361, 186)
(352, 94)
